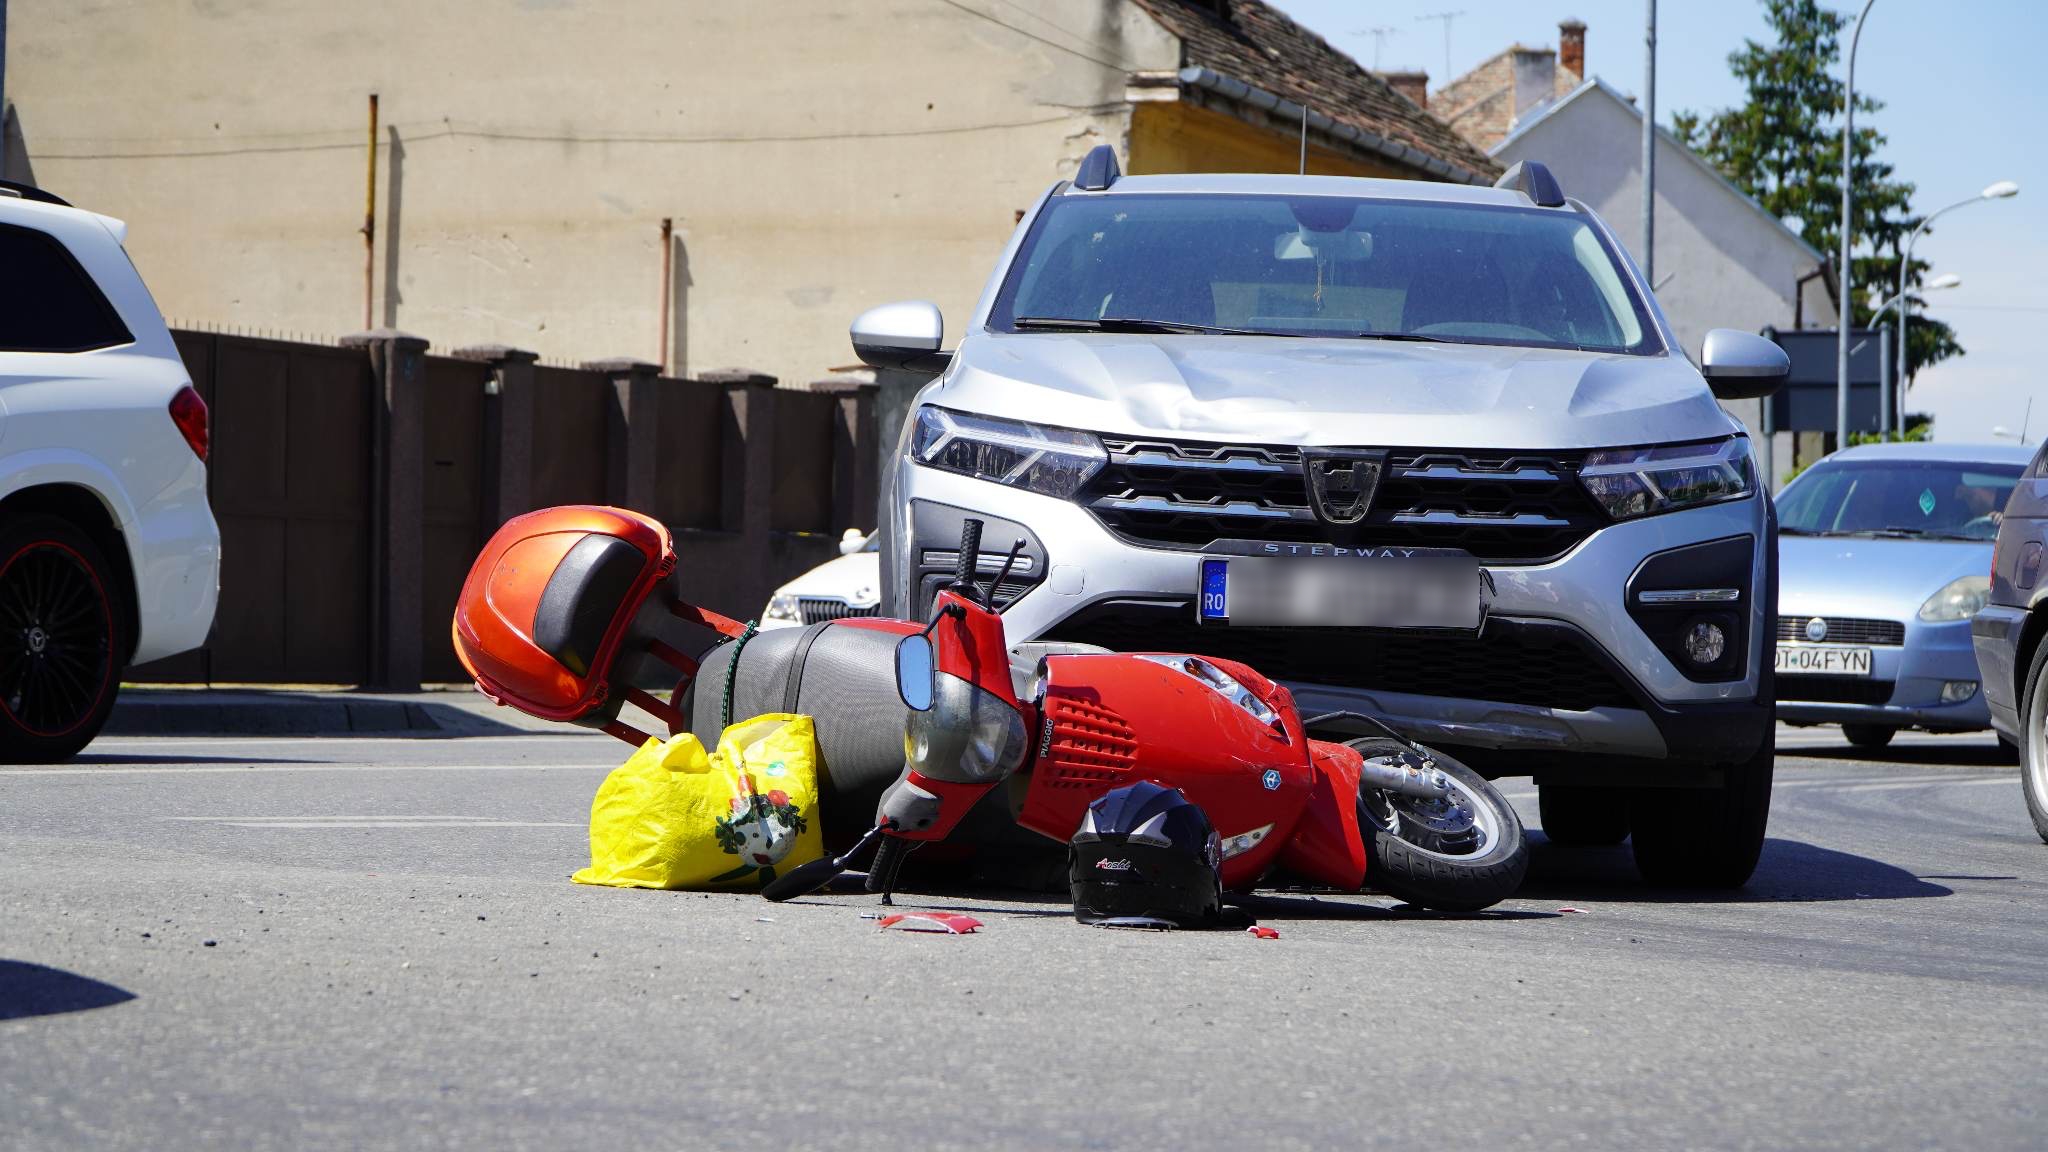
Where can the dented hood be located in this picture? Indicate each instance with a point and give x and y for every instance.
(1280, 390)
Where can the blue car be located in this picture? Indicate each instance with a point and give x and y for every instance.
(1884, 554)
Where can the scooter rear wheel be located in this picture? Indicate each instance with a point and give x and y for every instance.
(1460, 854)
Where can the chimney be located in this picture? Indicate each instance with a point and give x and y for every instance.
(1571, 48)
(1413, 85)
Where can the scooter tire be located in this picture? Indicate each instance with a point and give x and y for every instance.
(1436, 880)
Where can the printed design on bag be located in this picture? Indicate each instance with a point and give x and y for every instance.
(761, 830)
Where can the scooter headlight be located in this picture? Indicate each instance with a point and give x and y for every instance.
(1036, 458)
(1219, 681)
(1630, 482)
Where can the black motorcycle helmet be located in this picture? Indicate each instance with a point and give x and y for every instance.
(1145, 853)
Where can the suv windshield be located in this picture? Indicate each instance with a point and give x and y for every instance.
(1943, 499)
(1323, 266)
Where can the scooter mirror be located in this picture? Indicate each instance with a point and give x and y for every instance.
(914, 672)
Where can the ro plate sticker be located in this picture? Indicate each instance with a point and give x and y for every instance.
(1927, 501)
(1215, 590)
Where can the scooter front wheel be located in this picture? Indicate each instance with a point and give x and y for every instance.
(1458, 853)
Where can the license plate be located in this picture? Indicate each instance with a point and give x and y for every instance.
(1418, 589)
(1814, 660)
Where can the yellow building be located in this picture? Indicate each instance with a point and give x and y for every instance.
(813, 156)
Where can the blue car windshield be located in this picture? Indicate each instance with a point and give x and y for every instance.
(1325, 266)
(1951, 500)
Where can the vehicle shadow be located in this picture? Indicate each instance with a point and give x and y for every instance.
(37, 990)
(1790, 871)
(115, 759)
(1937, 755)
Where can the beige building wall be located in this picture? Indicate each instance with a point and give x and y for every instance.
(817, 157)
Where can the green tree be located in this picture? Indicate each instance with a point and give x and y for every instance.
(1783, 147)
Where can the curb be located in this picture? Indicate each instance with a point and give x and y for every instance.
(144, 713)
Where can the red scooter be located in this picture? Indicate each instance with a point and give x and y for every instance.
(565, 615)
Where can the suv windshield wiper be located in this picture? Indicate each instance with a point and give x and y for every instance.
(1130, 324)
(1412, 337)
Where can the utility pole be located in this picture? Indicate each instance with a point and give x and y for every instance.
(1650, 148)
(1446, 17)
(1846, 283)
(370, 223)
(1379, 38)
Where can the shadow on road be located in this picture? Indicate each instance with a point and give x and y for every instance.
(1790, 870)
(1939, 755)
(112, 759)
(36, 990)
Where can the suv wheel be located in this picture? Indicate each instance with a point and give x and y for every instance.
(2034, 741)
(58, 640)
(1579, 815)
(1705, 837)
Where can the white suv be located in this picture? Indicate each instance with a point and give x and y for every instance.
(1420, 450)
(109, 554)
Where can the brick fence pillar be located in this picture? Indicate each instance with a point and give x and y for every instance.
(508, 430)
(397, 538)
(855, 463)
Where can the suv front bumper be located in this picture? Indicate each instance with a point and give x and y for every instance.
(1090, 577)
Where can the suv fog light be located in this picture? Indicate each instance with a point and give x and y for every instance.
(1705, 643)
(1957, 691)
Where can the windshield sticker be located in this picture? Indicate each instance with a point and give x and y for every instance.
(1927, 501)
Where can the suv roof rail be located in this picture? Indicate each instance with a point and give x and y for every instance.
(1098, 169)
(1532, 179)
(31, 192)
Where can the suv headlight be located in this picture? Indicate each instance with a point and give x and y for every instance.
(1663, 478)
(1959, 599)
(1050, 461)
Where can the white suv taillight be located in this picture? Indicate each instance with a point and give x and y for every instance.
(188, 412)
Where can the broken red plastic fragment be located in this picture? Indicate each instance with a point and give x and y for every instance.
(1263, 932)
(1568, 910)
(948, 922)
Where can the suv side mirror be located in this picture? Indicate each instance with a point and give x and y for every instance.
(901, 335)
(1742, 365)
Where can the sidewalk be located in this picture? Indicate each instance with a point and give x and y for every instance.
(448, 712)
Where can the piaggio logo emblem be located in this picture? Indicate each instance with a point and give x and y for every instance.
(1341, 483)
(1271, 779)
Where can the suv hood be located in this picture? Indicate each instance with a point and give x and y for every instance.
(1287, 390)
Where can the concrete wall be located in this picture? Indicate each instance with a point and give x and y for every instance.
(817, 157)
(1729, 266)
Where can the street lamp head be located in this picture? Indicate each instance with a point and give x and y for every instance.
(2002, 190)
(1945, 280)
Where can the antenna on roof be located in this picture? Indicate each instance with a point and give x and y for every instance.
(1379, 41)
(1098, 170)
(1446, 17)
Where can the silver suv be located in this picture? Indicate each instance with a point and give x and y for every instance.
(1421, 450)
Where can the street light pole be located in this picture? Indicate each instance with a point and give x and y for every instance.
(2003, 190)
(1650, 148)
(1886, 393)
(1847, 279)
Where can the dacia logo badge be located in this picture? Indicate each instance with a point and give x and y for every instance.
(1816, 629)
(1341, 483)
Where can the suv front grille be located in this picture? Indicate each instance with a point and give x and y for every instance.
(1502, 506)
(1844, 630)
(818, 609)
(1546, 668)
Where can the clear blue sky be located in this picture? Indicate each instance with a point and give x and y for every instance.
(1966, 96)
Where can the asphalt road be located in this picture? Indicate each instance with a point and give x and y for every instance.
(373, 943)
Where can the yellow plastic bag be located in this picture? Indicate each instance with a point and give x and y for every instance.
(673, 817)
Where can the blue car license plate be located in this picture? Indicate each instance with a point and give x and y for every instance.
(1420, 589)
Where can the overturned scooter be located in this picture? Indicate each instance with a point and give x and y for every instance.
(1337, 801)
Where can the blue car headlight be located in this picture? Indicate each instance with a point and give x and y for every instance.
(1959, 599)
(1630, 482)
(1034, 457)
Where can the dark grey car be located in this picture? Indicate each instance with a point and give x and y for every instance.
(2007, 634)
